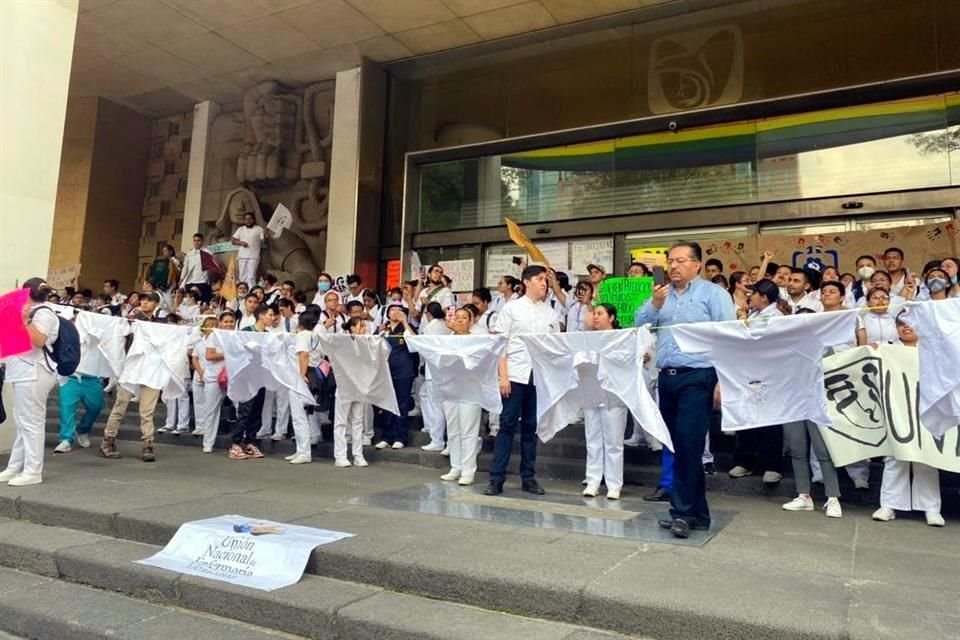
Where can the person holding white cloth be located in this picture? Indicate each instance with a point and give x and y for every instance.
(32, 375)
(463, 422)
(211, 364)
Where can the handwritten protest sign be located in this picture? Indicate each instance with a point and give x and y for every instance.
(499, 265)
(460, 272)
(393, 274)
(58, 279)
(599, 252)
(873, 402)
(627, 295)
(281, 219)
(252, 553)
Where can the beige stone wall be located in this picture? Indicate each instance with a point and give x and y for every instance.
(166, 188)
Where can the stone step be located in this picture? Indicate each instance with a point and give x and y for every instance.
(51, 563)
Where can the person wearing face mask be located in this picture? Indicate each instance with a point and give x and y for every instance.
(324, 284)
(32, 376)
(951, 266)
(882, 280)
(938, 284)
(250, 238)
(866, 267)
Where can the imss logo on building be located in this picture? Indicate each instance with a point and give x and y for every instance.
(695, 69)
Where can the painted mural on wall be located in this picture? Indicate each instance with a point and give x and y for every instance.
(274, 149)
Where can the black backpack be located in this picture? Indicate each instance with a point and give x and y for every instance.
(66, 348)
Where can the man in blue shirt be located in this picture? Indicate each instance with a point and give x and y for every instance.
(687, 382)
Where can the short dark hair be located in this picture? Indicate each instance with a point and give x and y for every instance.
(799, 271)
(645, 268)
(224, 314)
(114, 284)
(834, 283)
(768, 290)
(896, 249)
(510, 280)
(283, 303)
(472, 308)
(260, 310)
(269, 278)
(251, 295)
(930, 266)
(351, 323)
(771, 269)
(435, 310)
(289, 283)
(299, 297)
(353, 304)
(866, 257)
(713, 262)
(483, 293)
(249, 213)
(532, 271)
(308, 320)
(152, 296)
(693, 246)
(354, 279)
(198, 235)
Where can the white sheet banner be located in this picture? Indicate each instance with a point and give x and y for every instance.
(244, 551)
(873, 401)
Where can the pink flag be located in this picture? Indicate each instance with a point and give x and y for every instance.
(14, 338)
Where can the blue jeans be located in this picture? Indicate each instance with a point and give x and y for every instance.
(88, 391)
(520, 408)
(686, 402)
(395, 427)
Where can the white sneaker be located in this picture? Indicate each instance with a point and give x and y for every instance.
(63, 447)
(26, 479)
(415, 412)
(934, 519)
(861, 483)
(367, 441)
(342, 463)
(772, 477)
(83, 441)
(884, 515)
(197, 433)
(613, 494)
(383, 444)
(832, 507)
(632, 442)
(7, 475)
(290, 457)
(494, 431)
(163, 430)
(800, 503)
(262, 434)
(301, 460)
(183, 431)
(432, 447)
(740, 472)
(277, 437)
(360, 461)
(398, 445)
(208, 449)
(446, 452)
(591, 491)
(451, 476)
(465, 481)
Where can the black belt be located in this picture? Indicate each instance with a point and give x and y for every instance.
(676, 371)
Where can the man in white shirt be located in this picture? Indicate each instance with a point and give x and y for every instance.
(354, 288)
(111, 288)
(249, 238)
(433, 290)
(32, 376)
(529, 314)
(193, 274)
(798, 292)
(893, 258)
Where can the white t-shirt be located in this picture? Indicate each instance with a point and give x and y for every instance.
(442, 296)
(23, 367)
(246, 321)
(937, 324)
(523, 315)
(253, 236)
(881, 327)
(770, 372)
(308, 342)
(211, 368)
(807, 301)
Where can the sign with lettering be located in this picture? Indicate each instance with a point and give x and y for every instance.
(244, 551)
(58, 279)
(221, 247)
(393, 274)
(584, 252)
(627, 295)
(873, 402)
(460, 273)
(499, 265)
(281, 219)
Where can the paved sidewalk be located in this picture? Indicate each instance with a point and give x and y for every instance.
(766, 573)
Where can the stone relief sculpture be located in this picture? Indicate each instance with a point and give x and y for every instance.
(284, 157)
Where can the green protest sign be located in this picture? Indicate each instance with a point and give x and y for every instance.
(627, 295)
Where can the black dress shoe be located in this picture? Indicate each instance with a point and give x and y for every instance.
(667, 523)
(680, 529)
(710, 469)
(532, 486)
(493, 489)
(658, 496)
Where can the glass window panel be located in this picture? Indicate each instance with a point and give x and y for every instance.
(896, 222)
(795, 229)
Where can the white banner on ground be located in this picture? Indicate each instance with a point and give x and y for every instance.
(230, 549)
(873, 401)
(460, 272)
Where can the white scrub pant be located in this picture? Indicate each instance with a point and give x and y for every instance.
(209, 409)
(463, 436)
(368, 421)
(855, 470)
(178, 412)
(197, 387)
(347, 416)
(603, 429)
(301, 425)
(30, 418)
(247, 271)
(432, 413)
(899, 493)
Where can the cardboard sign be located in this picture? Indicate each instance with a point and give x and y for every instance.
(599, 252)
(873, 402)
(650, 256)
(281, 219)
(499, 265)
(627, 295)
(393, 274)
(58, 279)
(460, 272)
(521, 240)
(251, 553)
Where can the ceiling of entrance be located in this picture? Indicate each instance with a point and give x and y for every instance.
(162, 56)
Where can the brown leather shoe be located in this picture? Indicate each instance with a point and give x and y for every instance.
(148, 455)
(108, 448)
